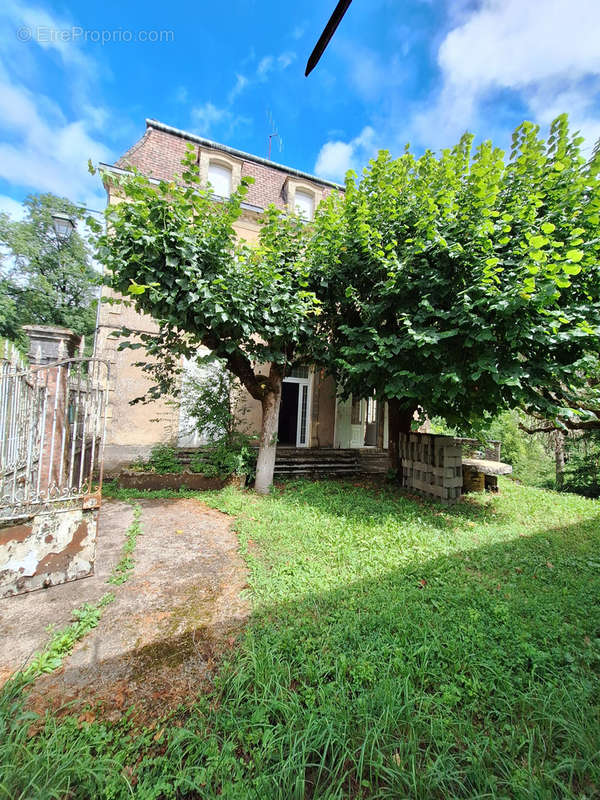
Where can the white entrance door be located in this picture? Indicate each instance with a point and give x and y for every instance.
(343, 431)
(356, 422)
(300, 376)
(350, 423)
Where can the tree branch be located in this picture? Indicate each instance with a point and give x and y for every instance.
(587, 425)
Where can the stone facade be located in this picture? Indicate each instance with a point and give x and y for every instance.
(134, 430)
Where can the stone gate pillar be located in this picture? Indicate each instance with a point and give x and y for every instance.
(47, 345)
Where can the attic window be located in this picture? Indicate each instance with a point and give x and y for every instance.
(219, 177)
(304, 203)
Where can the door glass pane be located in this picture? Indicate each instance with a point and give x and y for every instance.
(371, 410)
(298, 372)
(303, 411)
(356, 416)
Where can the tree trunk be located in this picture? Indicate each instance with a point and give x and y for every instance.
(559, 459)
(267, 448)
(399, 421)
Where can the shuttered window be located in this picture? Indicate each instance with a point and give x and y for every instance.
(219, 177)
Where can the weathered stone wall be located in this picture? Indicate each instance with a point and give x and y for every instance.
(133, 430)
(49, 548)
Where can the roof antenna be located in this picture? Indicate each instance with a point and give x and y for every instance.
(273, 135)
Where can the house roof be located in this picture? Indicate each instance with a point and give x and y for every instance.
(223, 148)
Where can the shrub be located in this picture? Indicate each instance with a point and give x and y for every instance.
(582, 467)
(226, 458)
(163, 459)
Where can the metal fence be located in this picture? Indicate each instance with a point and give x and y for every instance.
(52, 424)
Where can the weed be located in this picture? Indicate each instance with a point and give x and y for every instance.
(397, 650)
(62, 641)
(124, 568)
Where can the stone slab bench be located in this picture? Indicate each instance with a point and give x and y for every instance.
(488, 467)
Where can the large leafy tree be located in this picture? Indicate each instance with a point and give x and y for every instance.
(173, 249)
(45, 279)
(467, 283)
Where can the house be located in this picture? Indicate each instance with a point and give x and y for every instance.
(311, 415)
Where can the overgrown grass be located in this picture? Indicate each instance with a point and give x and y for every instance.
(398, 649)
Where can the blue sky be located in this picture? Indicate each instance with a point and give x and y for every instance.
(397, 70)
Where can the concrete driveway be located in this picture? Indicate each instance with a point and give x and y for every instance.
(157, 644)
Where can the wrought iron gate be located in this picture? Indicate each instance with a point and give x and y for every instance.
(52, 425)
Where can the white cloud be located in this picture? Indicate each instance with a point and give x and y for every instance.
(28, 31)
(241, 81)
(540, 56)
(545, 51)
(285, 59)
(46, 155)
(207, 116)
(337, 157)
(44, 146)
(32, 26)
(181, 94)
(368, 72)
(510, 43)
(269, 63)
(11, 207)
(265, 65)
(581, 102)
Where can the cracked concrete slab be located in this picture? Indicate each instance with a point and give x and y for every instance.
(157, 644)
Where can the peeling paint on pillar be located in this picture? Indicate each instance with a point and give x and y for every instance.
(50, 548)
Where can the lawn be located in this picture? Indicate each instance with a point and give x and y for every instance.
(398, 649)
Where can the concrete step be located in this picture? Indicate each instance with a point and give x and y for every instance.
(292, 461)
(313, 461)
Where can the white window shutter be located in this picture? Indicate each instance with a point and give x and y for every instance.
(305, 204)
(219, 177)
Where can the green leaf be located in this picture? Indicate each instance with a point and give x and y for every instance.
(538, 241)
(574, 255)
(548, 227)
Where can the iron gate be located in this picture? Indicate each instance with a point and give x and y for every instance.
(52, 425)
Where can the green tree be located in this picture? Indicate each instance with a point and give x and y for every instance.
(466, 284)
(172, 247)
(45, 279)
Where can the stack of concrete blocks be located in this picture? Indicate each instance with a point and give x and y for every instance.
(431, 466)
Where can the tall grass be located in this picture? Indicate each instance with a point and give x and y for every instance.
(397, 650)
